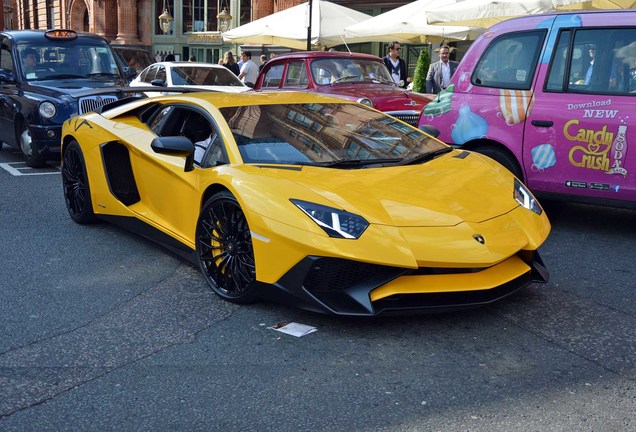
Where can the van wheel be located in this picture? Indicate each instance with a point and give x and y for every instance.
(32, 157)
(504, 158)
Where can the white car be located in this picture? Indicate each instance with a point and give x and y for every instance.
(189, 74)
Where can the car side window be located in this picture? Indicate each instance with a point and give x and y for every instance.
(556, 74)
(149, 75)
(161, 74)
(6, 60)
(603, 61)
(510, 61)
(296, 75)
(273, 76)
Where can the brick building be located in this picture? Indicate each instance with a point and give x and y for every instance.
(194, 28)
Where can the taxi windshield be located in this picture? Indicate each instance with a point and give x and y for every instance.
(334, 135)
(75, 59)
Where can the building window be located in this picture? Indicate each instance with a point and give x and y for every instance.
(246, 12)
(199, 15)
(50, 14)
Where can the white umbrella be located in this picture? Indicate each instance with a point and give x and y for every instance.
(408, 23)
(289, 27)
(485, 13)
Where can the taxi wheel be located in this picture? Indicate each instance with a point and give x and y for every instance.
(77, 193)
(224, 249)
(31, 156)
(504, 158)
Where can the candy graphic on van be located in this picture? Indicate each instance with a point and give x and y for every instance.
(543, 157)
(514, 105)
(441, 104)
(468, 126)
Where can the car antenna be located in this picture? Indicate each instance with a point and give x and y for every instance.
(345, 44)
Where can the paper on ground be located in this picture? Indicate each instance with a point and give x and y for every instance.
(294, 329)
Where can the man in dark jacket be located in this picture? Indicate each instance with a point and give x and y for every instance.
(440, 72)
(395, 65)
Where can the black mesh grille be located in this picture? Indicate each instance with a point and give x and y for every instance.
(332, 274)
(411, 119)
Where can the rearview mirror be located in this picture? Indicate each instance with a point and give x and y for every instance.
(175, 146)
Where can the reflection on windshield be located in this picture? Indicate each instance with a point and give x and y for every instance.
(209, 76)
(67, 60)
(337, 70)
(321, 134)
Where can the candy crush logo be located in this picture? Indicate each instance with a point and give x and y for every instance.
(593, 153)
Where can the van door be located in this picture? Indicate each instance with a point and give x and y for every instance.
(577, 135)
(7, 89)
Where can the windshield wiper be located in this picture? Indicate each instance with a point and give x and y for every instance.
(60, 76)
(358, 163)
(102, 74)
(427, 156)
(346, 77)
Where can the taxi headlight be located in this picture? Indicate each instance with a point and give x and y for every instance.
(365, 101)
(523, 196)
(47, 110)
(336, 223)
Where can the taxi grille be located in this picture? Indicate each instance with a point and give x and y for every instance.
(91, 103)
(407, 118)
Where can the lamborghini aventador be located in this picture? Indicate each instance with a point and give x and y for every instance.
(305, 199)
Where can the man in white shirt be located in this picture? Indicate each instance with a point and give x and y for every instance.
(440, 73)
(249, 70)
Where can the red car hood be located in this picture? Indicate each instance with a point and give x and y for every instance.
(385, 97)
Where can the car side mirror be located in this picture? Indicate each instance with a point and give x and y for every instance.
(130, 72)
(430, 130)
(175, 146)
(7, 77)
(158, 82)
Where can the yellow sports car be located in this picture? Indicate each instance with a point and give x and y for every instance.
(309, 200)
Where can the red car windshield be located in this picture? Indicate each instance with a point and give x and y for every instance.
(336, 70)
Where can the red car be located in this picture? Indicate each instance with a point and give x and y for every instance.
(360, 77)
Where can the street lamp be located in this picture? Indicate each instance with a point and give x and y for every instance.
(225, 19)
(165, 21)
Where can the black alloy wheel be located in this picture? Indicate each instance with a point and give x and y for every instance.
(75, 183)
(224, 249)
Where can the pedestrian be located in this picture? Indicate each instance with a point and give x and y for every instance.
(249, 70)
(440, 72)
(229, 62)
(192, 58)
(169, 57)
(263, 61)
(396, 65)
(158, 57)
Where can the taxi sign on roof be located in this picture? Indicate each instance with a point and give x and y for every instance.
(61, 34)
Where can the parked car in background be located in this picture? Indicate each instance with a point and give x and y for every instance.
(47, 77)
(359, 77)
(205, 76)
(550, 97)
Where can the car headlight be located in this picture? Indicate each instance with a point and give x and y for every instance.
(47, 110)
(365, 101)
(336, 223)
(523, 196)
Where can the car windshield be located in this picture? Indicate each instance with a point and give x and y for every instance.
(67, 59)
(209, 76)
(338, 70)
(337, 135)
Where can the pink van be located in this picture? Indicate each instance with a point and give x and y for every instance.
(553, 99)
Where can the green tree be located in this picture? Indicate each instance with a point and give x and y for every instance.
(421, 69)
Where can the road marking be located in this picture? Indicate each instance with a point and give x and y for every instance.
(21, 169)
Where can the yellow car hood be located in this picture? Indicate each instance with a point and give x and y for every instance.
(443, 192)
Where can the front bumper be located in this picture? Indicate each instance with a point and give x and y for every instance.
(345, 287)
(46, 139)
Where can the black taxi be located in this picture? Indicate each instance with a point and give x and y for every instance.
(47, 76)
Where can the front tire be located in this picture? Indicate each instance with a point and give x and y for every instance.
(31, 156)
(224, 249)
(77, 193)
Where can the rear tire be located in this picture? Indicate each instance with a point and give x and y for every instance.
(504, 158)
(77, 193)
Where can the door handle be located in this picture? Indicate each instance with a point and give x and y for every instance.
(542, 123)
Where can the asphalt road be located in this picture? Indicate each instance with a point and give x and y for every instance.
(102, 330)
